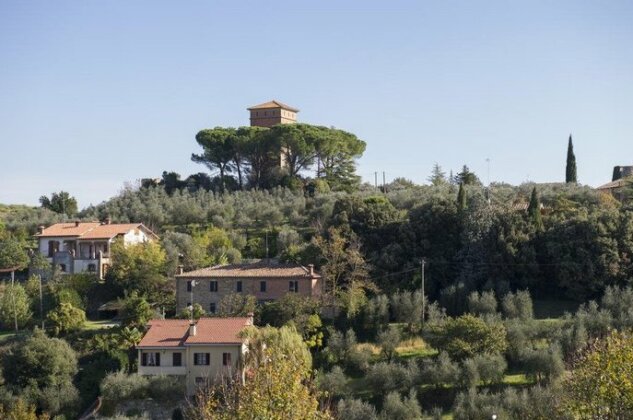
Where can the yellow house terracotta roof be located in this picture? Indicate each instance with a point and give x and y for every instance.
(218, 331)
(92, 230)
(110, 231)
(175, 332)
(273, 104)
(68, 229)
(258, 269)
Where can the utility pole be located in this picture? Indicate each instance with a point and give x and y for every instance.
(422, 263)
(376, 181)
(384, 188)
(15, 314)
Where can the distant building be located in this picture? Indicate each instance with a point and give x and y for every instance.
(620, 172)
(621, 176)
(84, 247)
(272, 113)
(266, 280)
(201, 351)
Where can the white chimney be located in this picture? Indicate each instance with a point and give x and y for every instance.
(192, 329)
(311, 267)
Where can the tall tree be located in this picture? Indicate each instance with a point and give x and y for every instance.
(15, 307)
(62, 203)
(461, 197)
(217, 144)
(43, 368)
(239, 144)
(467, 177)
(534, 211)
(336, 152)
(570, 170)
(12, 254)
(297, 146)
(438, 176)
(278, 386)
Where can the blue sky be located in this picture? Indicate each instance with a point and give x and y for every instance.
(95, 94)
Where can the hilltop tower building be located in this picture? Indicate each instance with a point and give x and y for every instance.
(272, 113)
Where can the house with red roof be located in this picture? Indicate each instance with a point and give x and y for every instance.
(202, 351)
(80, 247)
(266, 279)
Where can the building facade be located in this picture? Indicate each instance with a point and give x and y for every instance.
(267, 280)
(84, 247)
(200, 351)
(272, 113)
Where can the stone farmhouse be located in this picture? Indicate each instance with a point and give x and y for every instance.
(84, 247)
(266, 279)
(200, 351)
(622, 175)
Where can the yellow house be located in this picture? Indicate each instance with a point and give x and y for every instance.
(202, 351)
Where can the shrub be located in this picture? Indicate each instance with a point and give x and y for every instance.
(388, 340)
(441, 371)
(386, 376)
(407, 308)
(354, 409)
(467, 336)
(396, 408)
(166, 388)
(483, 303)
(518, 305)
(333, 383)
(118, 386)
(544, 364)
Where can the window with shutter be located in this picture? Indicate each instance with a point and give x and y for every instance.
(226, 359)
(177, 359)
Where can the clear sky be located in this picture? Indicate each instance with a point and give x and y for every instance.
(94, 94)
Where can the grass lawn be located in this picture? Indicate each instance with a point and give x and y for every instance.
(100, 324)
(414, 348)
(517, 379)
(5, 335)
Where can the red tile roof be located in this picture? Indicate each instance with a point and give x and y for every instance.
(218, 331)
(273, 104)
(68, 229)
(175, 332)
(165, 333)
(258, 269)
(92, 230)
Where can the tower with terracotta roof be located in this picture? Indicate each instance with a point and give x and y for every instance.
(272, 113)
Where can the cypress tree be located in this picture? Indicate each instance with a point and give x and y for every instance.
(534, 210)
(461, 197)
(570, 173)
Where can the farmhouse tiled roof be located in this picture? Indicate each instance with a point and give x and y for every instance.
(258, 269)
(68, 229)
(614, 184)
(273, 104)
(175, 332)
(110, 231)
(91, 230)
(218, 331)
(165, 333)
